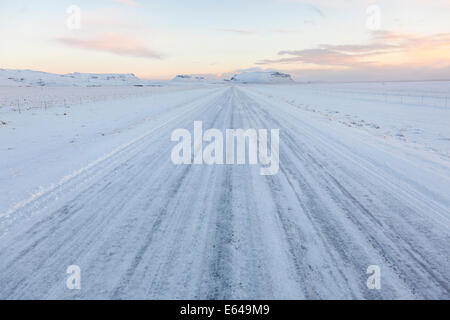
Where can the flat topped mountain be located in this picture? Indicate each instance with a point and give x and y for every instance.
(262, 77)
(12, 77)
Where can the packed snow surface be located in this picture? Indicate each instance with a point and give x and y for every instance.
(364, 179)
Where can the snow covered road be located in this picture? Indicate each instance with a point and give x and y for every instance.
(139, 226)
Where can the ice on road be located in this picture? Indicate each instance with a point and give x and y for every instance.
(139, 226)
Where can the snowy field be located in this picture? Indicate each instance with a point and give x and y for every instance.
(86, 179)
(50, 132)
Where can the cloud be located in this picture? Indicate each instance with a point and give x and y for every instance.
(240, 31)
(130, 3)
(245, 32)
(396, 73)
(411, 41)
(311, 5)
(356, 55)
(322, 56)
(355, 48)
(113, 43)
(254, 69)
(316, 9)
(287, 31)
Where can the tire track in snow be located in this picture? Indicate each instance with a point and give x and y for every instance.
(140, 227)
(346, 200)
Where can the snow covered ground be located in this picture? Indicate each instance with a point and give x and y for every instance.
(364, 179)
(57, 130)
(415, 113)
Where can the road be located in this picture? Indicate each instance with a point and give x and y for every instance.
(140, 227)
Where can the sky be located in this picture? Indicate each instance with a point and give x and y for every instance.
(338, 40)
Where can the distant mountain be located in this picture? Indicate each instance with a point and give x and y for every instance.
(189, 78)
(105, 78)
(262, 77)
(192, 78)
(9, 77)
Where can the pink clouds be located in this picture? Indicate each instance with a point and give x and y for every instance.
(352, 55)
(113, 43)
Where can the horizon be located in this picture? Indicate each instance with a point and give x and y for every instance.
(345, 41)
(228, 78)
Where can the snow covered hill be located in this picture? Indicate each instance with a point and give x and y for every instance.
(105, 79)
(32, 78)
(188, 78)
(262, 77)
(194, 79)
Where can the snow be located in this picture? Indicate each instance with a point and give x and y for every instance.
(9, 77)
(189, 78)
(69, 126)
(416, 114)
(262, 77)
(183, 79)
(86, 179)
